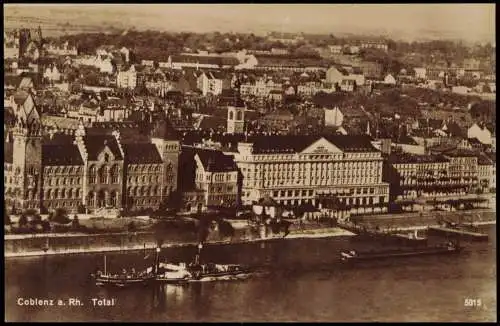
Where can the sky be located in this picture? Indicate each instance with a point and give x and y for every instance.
(470, 22)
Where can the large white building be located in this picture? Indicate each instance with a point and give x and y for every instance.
(127, 78)
(210, 82)
(296, 170)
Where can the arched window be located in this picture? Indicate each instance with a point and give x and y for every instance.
(231, 115)
(77, 194)
(63, 193)
(103, 174)
(115, 172)
(138, 191)
(71, 193)
(239, 115)
(92, 174)
(48, 194)
(56, 193)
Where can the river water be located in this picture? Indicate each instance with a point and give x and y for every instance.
(306, 282)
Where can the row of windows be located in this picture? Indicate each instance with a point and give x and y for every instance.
(144, 191)
(64, 170)
(62, 193)
(105, 175)
(59, 181)
(318, 165)
(317, 174)
(145, 179)
(61, 204)
(304, 193)
(213, 188)
(145, 202)
(314, 181)
(222, 199)
(144, 168)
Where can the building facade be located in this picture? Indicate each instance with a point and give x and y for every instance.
(217, 176)
(87, 171)
(127, 78)
(412, 176)
(296, 170)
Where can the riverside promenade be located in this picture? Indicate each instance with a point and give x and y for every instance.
(17, 245)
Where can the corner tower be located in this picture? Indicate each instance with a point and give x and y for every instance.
(166, 140)
(26, 153)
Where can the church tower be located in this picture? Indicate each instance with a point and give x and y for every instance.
(235, 119)
(27, 154)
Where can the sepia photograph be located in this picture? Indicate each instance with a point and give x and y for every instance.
(250, 163)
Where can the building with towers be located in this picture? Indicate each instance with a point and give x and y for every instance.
(100, 167)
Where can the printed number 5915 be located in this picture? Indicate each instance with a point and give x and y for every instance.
(472, 302)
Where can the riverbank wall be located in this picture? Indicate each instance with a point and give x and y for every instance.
(63, 244)
(56, 244)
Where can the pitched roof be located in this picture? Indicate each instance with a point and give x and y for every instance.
(456, 130)
(58, 139)
(62, 154)
(213, 122)
(352, 143)
(395, 158)
(96, 143)
(129, 131)
(460, 152)
(280, 144)
(215, 161)
(215, 75)
(26, 82)
(145, 153)
(59, 122)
